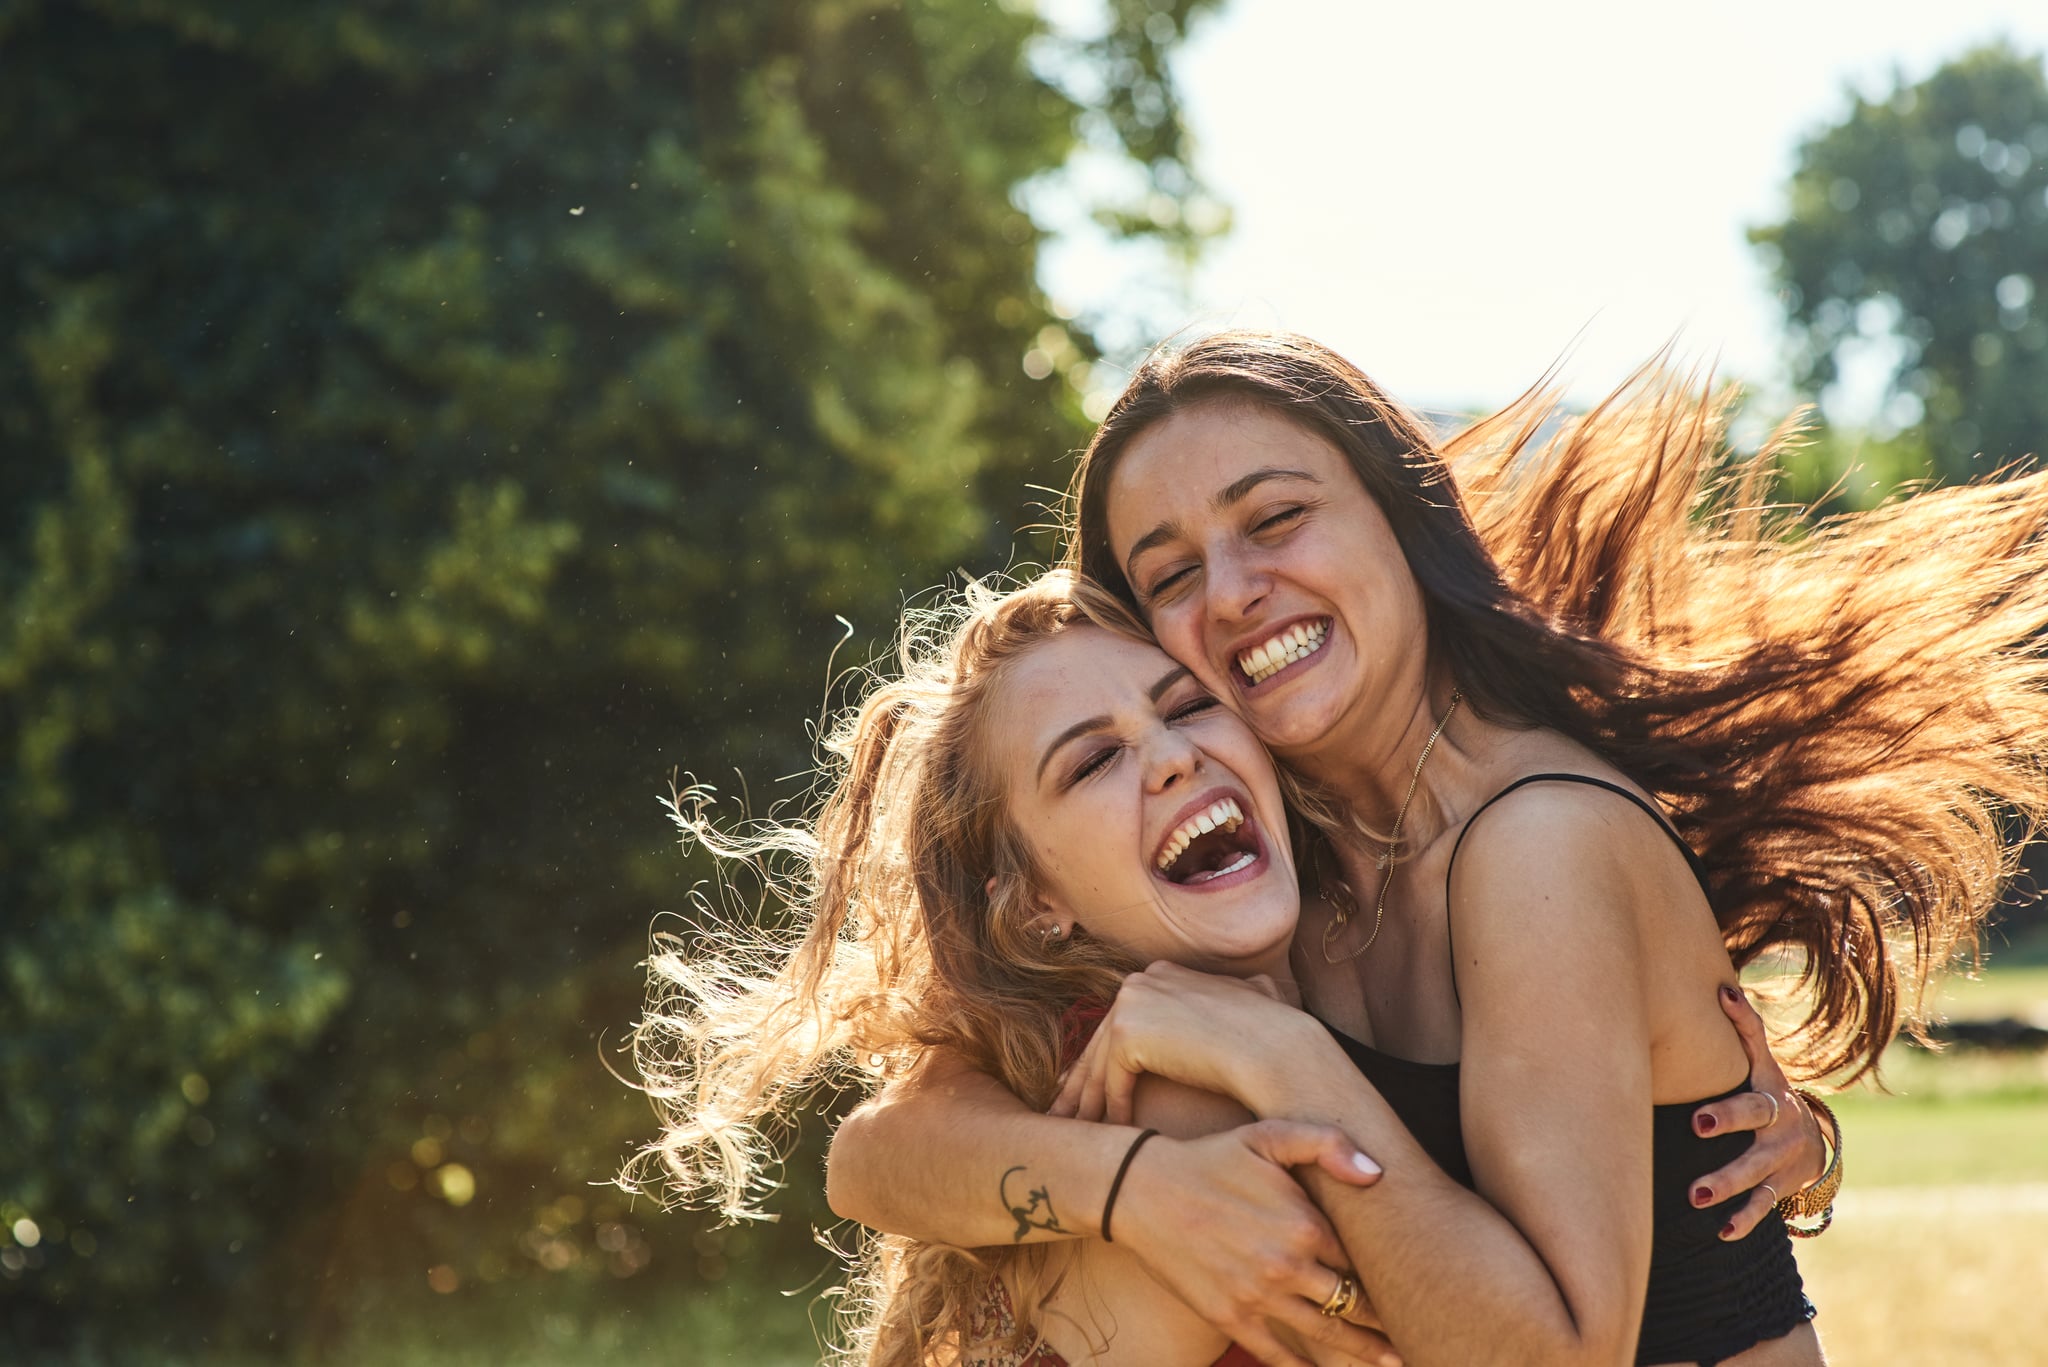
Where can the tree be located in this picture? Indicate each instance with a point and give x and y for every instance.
(1918, 231)
(425, 426)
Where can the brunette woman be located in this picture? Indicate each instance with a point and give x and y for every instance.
(1577, 757)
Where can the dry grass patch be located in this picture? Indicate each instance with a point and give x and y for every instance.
(1955, 1276)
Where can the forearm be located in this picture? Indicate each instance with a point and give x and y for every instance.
(951, 1156)
(1453, 1279)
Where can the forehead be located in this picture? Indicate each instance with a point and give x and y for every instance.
(1190, 457)
(1083, 672)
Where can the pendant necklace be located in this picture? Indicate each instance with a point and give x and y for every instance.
(1341, 917)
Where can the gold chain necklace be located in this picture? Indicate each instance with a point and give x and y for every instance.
(1342, 918)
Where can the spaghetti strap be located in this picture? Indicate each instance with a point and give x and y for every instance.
(1692, 859)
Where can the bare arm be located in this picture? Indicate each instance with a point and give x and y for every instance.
(928, 1158)
(1547, 1262)
(1220, 1221)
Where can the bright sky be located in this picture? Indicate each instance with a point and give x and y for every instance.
(1455, 194)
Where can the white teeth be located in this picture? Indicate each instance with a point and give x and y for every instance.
(1225, 814)
(1271, 656)
(1232, 867)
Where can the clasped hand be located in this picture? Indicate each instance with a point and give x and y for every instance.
(1220, 1220)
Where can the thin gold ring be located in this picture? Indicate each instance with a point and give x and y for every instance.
(1771, 1097)
(1343, 1298)
(1772, 1190)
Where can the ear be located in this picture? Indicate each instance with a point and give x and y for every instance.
(1049, 922)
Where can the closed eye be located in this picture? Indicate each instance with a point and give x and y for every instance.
(1094, 764)
(1166, 582)
(1281, 518)
(1193, 707)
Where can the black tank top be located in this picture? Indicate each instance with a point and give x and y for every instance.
(1708, 1299)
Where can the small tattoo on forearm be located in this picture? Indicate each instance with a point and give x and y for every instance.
(1035, 1213)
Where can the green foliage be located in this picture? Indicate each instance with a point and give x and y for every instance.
(1832, 469)
(1920, 223)
(425, 426)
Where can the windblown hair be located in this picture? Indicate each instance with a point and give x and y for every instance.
(902, 924)
(1845, 719)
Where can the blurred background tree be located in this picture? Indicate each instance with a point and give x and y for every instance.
(1917, 242)
(425, 426)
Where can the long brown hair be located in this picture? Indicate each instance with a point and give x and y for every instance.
(1846, 720)
(899, 918)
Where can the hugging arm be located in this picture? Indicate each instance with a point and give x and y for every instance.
(1218, 1220)
(1547, 1262)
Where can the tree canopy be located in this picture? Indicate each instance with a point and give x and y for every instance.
(425, 427)
(1918, 236)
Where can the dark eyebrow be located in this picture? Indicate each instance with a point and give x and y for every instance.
(1166, 681)
(1233, 492)
(1082, 728)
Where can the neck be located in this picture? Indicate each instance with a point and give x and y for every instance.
(1370, 770)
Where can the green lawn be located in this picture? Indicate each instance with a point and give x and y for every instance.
(1939, 1252)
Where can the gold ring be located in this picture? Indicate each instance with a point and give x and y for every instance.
(1771, 1097)
(1343, 1298)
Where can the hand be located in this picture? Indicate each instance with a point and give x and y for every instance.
(1788, 1153)
(1223, 1226)
(1201, 1029)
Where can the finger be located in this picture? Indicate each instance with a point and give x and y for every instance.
(1746, 1219)
(1069, 1099)
(1743, 1111)
(1091, 1106)
(1298, 1144)
(1336, 1336)
(1756, 1039)
(1348, 1164)
(1743, 1174)
(1120, 1089)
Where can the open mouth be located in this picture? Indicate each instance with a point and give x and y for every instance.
(1216, 841)
(1283, 648)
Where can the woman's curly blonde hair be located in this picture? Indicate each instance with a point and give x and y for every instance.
(898, 920)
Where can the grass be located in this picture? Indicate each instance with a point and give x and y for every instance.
(1939, 1252)
(1951, 1275)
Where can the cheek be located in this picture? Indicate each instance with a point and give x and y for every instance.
(1178, 629)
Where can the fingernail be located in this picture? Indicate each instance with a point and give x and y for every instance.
(1704, 1124)
(1728, 1230)
(1728, 994)
(1390, 1360)
(1364, 1164)
(1702, 1196)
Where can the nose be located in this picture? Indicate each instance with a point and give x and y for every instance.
(1171, 759)
(1237, 583)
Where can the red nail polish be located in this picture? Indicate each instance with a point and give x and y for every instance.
(1729, 993)
(1728, 1230)
(1702, 1196)
(1705, 1124)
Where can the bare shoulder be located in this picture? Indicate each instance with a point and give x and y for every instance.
(1583, 845)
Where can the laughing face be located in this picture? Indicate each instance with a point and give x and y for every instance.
(1153, 814)
(1265, 567)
